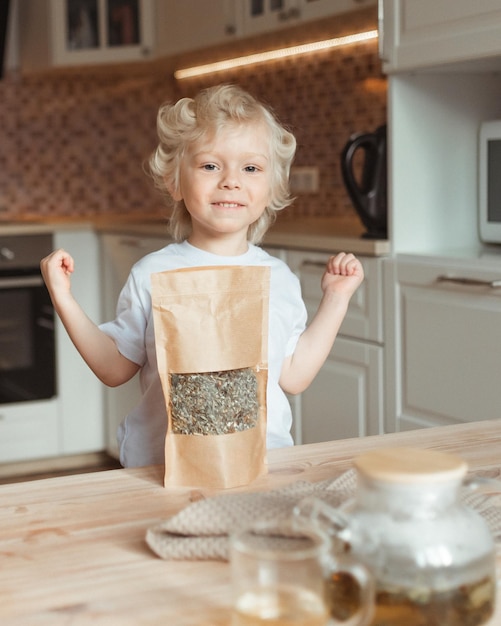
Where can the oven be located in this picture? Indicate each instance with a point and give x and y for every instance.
(27, 341)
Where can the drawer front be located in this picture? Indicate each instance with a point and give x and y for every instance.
(451, 354)
(364, 319)
(447, 347)
(28, 430)
(477, 278)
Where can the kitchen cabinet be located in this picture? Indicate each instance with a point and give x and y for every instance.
(429, 33)
(119, 252)
(29, 430)
(59, 33)
(80, 393)
(65, 33)
(72, 421)
(260, 16)
(346, 398)
(434, 118)
(444, 356)
(180, 27)
(294, 401)
(439, 56)
(188, 25)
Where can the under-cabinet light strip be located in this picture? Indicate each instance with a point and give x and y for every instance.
(271, 55)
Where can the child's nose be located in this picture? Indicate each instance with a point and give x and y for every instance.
(230, 180)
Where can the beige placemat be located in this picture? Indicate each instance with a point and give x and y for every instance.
(201, 530)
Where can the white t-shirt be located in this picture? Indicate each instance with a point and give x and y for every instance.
(141, 435)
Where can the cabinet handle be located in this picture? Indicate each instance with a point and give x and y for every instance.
(312, 263)
(132, 243)
(475, 282)
(6, 254)
(291, 14)
(18, 282)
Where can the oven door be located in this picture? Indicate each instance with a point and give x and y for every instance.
(27, 344)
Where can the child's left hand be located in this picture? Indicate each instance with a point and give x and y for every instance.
(343, 275)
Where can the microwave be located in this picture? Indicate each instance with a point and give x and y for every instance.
(489, 181)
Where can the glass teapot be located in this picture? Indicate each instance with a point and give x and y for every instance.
(432, 558)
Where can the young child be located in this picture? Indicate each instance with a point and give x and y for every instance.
(224, 160)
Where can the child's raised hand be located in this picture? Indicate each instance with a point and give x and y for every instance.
(56, 269)
(343, 275)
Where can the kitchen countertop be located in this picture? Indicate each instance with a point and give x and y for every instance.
(327, 234)
(73, 548)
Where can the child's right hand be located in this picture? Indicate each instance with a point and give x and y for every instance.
(56, 271)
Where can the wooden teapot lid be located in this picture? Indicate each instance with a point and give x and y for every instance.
(410, 466)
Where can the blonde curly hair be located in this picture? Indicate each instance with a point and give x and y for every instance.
(189, 119)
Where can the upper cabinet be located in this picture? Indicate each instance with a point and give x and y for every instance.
(187, 25)
(439, 55)
(78, 32)
(260, 16)
(417, 34)
(57, 33)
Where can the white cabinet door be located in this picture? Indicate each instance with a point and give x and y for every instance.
(119, 253)
(294, 401)
(425, 33)
(346, 398)
(185, 25)
(261, 16)
(29, 430)
(447, 353)
(314, 9)
(364, 319)
(80, 393)
(69, 32)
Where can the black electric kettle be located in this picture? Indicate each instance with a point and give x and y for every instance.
(368, 192)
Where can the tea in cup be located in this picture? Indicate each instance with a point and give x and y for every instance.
(277, 574)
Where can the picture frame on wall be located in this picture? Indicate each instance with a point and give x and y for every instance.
(101, 31)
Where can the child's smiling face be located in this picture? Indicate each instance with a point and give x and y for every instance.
(225, 182)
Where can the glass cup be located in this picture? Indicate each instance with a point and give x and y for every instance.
(278, 576)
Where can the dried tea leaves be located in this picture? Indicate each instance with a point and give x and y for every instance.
(214, 403)
(211, 340)
(466, 605)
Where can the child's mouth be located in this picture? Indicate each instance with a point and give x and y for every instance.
(227, 205)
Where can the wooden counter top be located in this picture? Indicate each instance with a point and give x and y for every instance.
(72, 549)
(329, 234)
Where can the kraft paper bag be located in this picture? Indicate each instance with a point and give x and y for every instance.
(211, 338)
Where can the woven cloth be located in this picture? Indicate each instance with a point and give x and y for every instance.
(201, 531)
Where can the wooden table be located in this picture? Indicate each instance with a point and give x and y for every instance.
(72, 549)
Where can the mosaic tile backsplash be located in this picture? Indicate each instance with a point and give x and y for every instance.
(73, 143)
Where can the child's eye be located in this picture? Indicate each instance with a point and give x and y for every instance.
(251, 168)
(210, 167)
